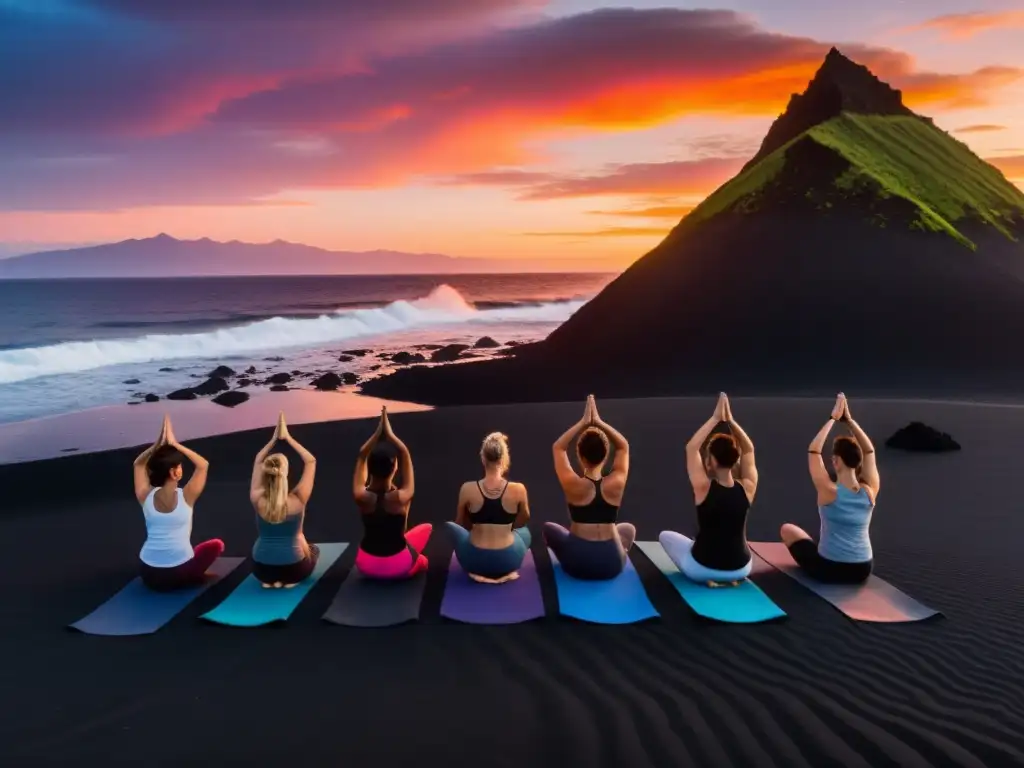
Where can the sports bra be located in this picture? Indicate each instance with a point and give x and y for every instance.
(492, 512)
(599, 511)
(383, 532)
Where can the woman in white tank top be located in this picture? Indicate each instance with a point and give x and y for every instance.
(167, 559)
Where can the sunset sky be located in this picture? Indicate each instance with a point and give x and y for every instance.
(569, 129)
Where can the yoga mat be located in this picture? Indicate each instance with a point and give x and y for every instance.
(363, 602)
(874, 600)
(622, 600)
(138, 610)
(513, 602)
(252, 605)
(744, 604)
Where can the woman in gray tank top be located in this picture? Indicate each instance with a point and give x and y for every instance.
(843, 553)
(281, 555)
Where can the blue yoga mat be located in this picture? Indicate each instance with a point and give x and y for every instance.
(744, 604)
(252, 605)
(622, 600)
(875, 600)
(138, 610)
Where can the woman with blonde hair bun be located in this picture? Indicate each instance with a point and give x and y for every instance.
(490, 533)
(281, 555)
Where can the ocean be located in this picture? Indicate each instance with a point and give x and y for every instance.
(71, 345)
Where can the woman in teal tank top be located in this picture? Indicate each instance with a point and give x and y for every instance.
(281, 556)
(843, 553)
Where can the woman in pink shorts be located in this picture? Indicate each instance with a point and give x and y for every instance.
(388, 550)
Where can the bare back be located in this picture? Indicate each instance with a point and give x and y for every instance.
(512, 500)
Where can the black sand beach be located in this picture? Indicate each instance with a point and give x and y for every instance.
(815, 689)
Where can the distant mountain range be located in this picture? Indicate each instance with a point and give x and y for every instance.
(861, 249)
(165, 256)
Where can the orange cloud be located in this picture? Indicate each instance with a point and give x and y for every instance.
(652, 212)
(983, 128)
(1012, 166)
(609, 232)
(964, 25)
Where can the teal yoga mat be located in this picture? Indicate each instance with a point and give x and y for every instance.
(875, 600)
(251, 605)
(744, 604)
(622, 600)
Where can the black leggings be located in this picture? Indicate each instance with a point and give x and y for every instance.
(805, 552)
(582, 558)
(292, 573)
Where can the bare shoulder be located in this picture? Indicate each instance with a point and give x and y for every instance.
(518, 488)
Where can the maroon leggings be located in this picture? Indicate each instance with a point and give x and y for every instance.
(189, 574)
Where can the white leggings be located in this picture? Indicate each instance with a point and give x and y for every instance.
(678, 547)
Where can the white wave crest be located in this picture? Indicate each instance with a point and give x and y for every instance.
(443, 306)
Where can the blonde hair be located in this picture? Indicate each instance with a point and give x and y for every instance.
(495, 451)
(275, 488)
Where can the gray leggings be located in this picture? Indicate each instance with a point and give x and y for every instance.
(583, 559)
(489, 563)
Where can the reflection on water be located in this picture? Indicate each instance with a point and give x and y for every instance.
(119, 426)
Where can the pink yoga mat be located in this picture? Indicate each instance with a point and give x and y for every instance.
(875, 600)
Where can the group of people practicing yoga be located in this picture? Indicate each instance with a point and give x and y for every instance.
(490, 533)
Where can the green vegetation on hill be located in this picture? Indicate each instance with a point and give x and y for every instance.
(902, 157)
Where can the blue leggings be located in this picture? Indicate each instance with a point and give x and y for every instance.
(678, 547)
(489, 563)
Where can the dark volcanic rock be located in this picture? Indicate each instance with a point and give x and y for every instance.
(182, 394)
(279, 388)
(296, 373)
(134, 402)
(448, 353)
(211, 386)
(428, 347)
(151, 398)
(373, 368)
(345, 359)
(920, 437)
(279, 378)
(273, 359)
(243, 382)
(349, 378)
(167, 370)
(486, 342)
(131, 381)
(222, 372)
(251, 370)
(231, 399)
(356, 352)
(327, 382)
(406, 358)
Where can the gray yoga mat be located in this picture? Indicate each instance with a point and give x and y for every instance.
(138, 610)
(875, 600)
(365, 602)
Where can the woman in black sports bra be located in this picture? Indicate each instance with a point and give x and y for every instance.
(387, 550)
(490, 533)
(719, 555)
(595, 546)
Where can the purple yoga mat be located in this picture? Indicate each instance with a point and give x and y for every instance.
(513, 602)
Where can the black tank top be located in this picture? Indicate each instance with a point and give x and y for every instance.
(383, 532)
(597, 511)
(492, 512)
(722, 528)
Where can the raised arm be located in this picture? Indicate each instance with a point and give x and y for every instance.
(256, 481)
(304, 488)
(620, 464)
(748, 465)
(560, 450)
(200, 467)
(869, 466)
(694, 463)
(359, 477)
(140, 471)
(408, 487)
(819, 475)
